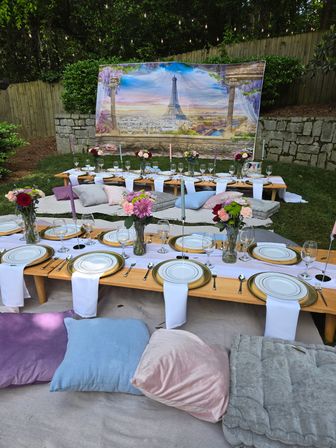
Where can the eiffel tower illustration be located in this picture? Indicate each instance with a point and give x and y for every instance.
(174, 109)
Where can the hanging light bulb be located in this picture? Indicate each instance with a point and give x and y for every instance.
(206, 26)
(243, 37)
(234, 29)
(262, 30)
(190, 41)
(217, 39)
(131, 41)
(106, 6)
(268, 34)
(179, 22)
(286, 30)
(145, 15)
(192, 20)
(66, 37)
(100, 39)
(29, 34)
(161, 40)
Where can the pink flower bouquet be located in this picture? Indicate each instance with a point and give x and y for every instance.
(231, 213)
(243, 155)
(137, 206)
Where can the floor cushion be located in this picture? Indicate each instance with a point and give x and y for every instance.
(115, 194)
(194, 201)
(163, 201)
(262, 209)
(92, 194)
(62, 193)
(281, 397)
(102, 355)
(32, 345)
(180, 370)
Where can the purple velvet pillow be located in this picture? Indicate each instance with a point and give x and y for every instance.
(62, 193)
(32, 346)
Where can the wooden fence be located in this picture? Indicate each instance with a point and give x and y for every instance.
(33, 106)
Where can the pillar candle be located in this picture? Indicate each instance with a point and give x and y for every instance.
(170, 153)
(333, 232)
(182, 201)
(263, 150)
(120, 153)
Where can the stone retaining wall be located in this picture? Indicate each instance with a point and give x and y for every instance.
(305, 141)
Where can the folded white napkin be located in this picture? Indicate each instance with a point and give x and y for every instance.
(12, 285)
(73, 179)
(175, 297)
(158, 184)
(281, 318)
(258, 187)
(85, 293)
(293, 198)
(129, 183)
(221, 186)
(190, 186)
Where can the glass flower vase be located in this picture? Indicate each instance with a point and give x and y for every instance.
(229, 249)
(191, 167)
(139, 246)
(30, 228)
(239, 169)
(142, 167)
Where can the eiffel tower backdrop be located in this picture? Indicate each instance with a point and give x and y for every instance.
(174, 109)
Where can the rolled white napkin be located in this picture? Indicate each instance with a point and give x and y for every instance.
(85, 293)
(129, 183)
(190, 186)
(221, 186)
(73, 179)
(175, 297)
(12, 285)
(158, 184)
(258, 187)
(281, 318)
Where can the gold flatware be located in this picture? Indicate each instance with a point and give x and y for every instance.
(49, 263)
(61, 266)
(319, 291)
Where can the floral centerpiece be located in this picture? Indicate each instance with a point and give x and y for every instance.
(240, 158)
(230, 215)
(143, 155)
(138, 209)
(191, 157)
(26, 200)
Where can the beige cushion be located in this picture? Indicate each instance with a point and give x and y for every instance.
(221, 197)
(115, 194)
(178, 369)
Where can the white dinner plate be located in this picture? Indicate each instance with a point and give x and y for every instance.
(166, 173)
(193, 242)
(223, 174)
(114, 170)
(89, 168)
(24, 254)
(71, 229)
(95, 263)
(111, 237)
(281, 286)
(8, 226)
(180, 271)
(275, 252)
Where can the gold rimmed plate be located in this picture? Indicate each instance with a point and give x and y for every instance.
(72, 232)
(265, 184)
(9, 228)
(182, 271)
(100, 262)
(29, 254)
(275, 253)
(281, 286)
(109, 238)
(192, 243)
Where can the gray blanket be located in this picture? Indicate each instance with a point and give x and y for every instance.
(281, 397)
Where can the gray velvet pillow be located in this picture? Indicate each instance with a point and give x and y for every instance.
(92, 194)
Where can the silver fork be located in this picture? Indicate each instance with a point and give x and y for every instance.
(129, 269)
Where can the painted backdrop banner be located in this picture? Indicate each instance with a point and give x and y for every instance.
(159, 99)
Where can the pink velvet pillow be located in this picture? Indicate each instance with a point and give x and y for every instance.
(221, 197)
(178, 369)
(114, 194)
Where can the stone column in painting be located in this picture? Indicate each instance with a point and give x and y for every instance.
(114, 82)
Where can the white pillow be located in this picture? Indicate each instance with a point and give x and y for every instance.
(114, 194)
(92, 194)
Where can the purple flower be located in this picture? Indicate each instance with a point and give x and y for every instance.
(143, 208)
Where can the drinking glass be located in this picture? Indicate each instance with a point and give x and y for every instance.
(148, 167)
(128, 165)
(232, 170)
(173, 168)
(88, 223)
(211, 167)
(208, 246)
(116, 165)
(246, 236)
(156, 166)
(308, 255)
(60, 229)
(163, 232)
(244, 170)
(101, 164)
(180, 167)
(76, 162)
(20, 223)
(123, 238)
(269, 170)
(202, 168)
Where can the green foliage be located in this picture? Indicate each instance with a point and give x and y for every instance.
(9, 140)
(280, 72)
(325, 53)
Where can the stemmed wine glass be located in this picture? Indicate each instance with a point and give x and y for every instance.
(211, 167)
(76, 162)
(87, 165)
(208, 246)
(156, 166)
(88, 223)
(123, 238)
(269, 171)
(308, 255)
(116, 165)
(180, 168)
(202, 168)
(128, 165)
(246, 236)
(163, 232)
(173, 168)
(232, 170)
(60, 229)
(101, 164)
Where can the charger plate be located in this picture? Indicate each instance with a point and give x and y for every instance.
(72, 232)
(182, 271)
(109, 238)
(267, 182)
(191, 243)
(8, 228)
(281, 286)
(97, 262)
(30, 254)
(275, 254)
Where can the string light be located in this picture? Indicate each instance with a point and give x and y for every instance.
(29, 34)
(106, 6)
(206, 26)
(100, 39)
(217, 39)
(190, 41)
(268, 34)
(145, 15)
(179, 22)
(234, 29)
(161, 40)
(131, 41)
(262, 30)
(66, 37)
(286, 30)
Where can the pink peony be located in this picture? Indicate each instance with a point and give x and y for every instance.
(143, 208)
(140, 154)
(11, 196)
(223, 215)
(246, 212)
(128, 208)
(146, 155)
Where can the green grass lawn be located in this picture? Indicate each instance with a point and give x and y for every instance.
(298, 222)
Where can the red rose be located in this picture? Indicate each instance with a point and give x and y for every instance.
(149, 154)
(94, 152)
(216, 208)
(23, 199)
(238, 156)
(216, 219)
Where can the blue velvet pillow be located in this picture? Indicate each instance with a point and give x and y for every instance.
(102, 355)
(196, 200)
